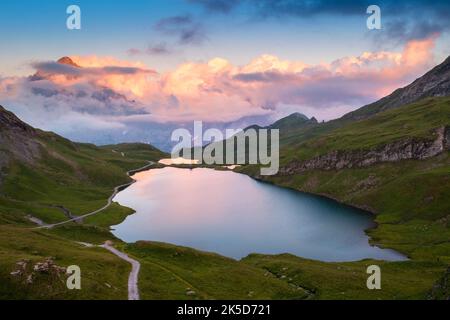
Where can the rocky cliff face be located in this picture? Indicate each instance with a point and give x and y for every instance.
(435, 83)
(18, 140)
(447, 139)
(407, 149)
(8, 121)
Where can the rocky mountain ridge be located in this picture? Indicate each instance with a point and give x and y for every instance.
(435, 83)
(18, 140)
(407, 149)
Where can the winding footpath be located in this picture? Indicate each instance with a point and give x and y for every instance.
(109, 202)
(133, 290)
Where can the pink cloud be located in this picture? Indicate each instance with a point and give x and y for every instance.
(217, 90)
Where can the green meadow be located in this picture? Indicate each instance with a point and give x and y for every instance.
(409, 199)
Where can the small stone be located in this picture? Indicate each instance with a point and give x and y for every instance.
(30, 279)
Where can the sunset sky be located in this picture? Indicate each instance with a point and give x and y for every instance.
(184, 60)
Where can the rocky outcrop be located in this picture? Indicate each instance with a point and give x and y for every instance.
(17, 141)
(435, 83)
(68, 61)
(17, 138)
(9, 121)
(27, 272)
(407, 149)
(42, 75)
(447, 139)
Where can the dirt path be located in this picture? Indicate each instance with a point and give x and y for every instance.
(109, 202)
(67, 213)
(133, 290)
(36, 220)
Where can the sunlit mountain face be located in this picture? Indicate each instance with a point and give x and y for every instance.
(160, 65)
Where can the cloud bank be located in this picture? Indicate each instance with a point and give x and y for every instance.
(103, 93)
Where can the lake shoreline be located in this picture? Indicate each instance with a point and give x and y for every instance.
(374, 224)
(366, 209)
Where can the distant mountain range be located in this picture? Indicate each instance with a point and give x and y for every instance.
(391, 158)
(294, 128)
(434, 84)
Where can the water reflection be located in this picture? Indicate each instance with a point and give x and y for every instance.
(234, 215)
(177, 161)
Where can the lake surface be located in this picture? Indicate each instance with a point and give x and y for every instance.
(234, 215)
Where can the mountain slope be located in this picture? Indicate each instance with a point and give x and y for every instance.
(435, 83)
(48, 177)
(418, 128)
(391, 158)
(68, 61)
(289, 127)
(16, 140)
(44, 167)
(409, 195)
(395, 164)
(292, 121)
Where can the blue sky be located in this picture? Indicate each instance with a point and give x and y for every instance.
(35, 30)
(157, 61)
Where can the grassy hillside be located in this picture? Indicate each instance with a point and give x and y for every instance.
(58, 179)
(410, 199)
(103, 274)
(79, 178)
(302, 139)
(416, 120)
(341, 281)
(173, 272)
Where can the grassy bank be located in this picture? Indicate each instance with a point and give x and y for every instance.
(79, 178)
(410, 200)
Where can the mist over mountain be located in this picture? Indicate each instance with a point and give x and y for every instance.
(157, 134)
(88, 109)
